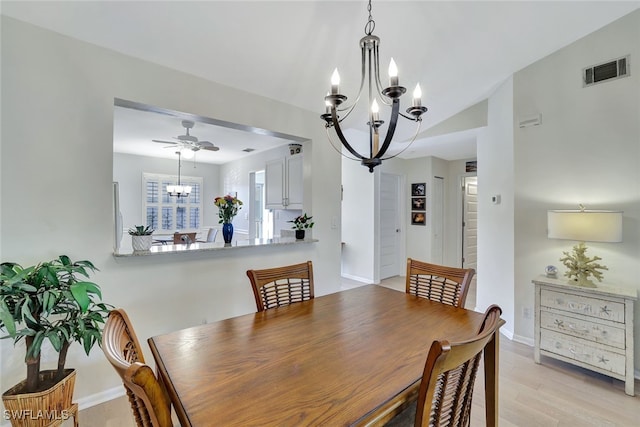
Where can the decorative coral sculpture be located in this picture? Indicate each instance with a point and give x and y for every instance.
(580, 267)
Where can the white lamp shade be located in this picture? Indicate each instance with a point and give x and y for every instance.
(585, 226)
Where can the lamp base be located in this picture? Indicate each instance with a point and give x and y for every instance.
(580, 267)
(583, 282)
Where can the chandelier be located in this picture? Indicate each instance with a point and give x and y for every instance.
(389, 96)
(179, 190)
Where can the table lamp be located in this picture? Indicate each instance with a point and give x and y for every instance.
(584, 226)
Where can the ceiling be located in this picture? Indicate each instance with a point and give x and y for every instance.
(458, 51)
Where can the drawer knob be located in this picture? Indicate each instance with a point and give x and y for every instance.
(605, 310)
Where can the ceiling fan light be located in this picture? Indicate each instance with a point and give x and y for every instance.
(188, 153)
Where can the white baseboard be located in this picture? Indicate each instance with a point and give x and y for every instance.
(357, 279)
(523, 340)
(101, 397)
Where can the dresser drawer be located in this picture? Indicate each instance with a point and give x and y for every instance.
(583, 328)
(580, 350)
(594, 307)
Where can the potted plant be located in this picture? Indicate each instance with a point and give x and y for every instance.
(52, 302)
(141, 239)
(300, 224)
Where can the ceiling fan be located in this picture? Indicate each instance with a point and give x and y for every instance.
(189, 141)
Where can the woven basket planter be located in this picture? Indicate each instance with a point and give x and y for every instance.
(43, 408)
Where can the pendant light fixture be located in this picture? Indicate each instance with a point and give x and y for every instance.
(389, 96)
(179, 190)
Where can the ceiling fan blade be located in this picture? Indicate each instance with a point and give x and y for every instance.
(189, 138)
(163, 142)
(210, 148)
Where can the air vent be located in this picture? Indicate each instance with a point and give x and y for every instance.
(248, 150)
(615, 69)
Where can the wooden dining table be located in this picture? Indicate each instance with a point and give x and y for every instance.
(350, 358)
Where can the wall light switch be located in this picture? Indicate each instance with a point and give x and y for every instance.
(495, 199)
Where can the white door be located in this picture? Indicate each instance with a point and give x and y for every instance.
(470, 223)
(437, 210)
(389, 225)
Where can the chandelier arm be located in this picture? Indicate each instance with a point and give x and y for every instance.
(395, 109)
(331, 142)
(383, 98)
(410, 142)
(336, 126)
(413, 119)
(350, 108)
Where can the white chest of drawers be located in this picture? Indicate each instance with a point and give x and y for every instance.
(588, 327)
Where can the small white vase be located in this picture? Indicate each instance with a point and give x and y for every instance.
(141, 243)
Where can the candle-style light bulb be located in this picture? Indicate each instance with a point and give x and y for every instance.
(393, 73)
(335, 82)
(375, 109)
(376, 136)
(417, 96)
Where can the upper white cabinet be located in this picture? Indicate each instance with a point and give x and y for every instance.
(284, 183)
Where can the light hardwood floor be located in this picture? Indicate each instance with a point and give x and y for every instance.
(550, 394)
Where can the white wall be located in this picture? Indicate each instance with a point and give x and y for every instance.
(495, 281)
(358, 208)
(57, 170)
(587, 150)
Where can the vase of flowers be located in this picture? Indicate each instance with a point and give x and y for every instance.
(228, 207)
(300, 224)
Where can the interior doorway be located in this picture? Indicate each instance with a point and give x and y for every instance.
(470, 231)
(470, 223)
(261, 223)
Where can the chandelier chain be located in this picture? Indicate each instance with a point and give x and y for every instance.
(371, 24)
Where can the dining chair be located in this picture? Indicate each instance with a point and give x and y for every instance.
(147, 396)
(446, 388)
(274, 287)
(211, 236)
(184, 238)
(448, 285)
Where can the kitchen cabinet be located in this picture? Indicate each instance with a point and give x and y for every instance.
(587, 327)
(284, 183)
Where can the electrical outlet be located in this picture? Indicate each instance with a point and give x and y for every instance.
(526, 312)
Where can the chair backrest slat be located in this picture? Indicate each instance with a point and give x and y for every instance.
(274, 287)
(448, 285)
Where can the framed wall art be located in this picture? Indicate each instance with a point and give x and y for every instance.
(418, 218)
(418, 203)
(419, 189)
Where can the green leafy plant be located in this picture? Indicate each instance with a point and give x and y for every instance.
(50, 301)
(141, 230)
(302, 222)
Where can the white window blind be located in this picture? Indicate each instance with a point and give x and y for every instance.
(165, 213)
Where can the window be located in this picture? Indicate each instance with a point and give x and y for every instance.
(166, 213)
